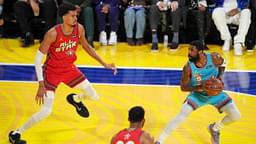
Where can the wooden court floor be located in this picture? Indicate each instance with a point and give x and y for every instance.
(109, 114)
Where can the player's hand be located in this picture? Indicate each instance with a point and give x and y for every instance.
(112, 67)
(40, 93)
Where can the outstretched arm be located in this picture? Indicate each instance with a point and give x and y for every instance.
(185, 81)
(91, 51)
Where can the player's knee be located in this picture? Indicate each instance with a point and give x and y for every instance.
(236, 116)
(95, 96)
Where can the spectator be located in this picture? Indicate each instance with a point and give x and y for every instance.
(198, 10)
(134, 134)
(232, 12)
(26, 10)
(86, 16)
(158, 8)
(135, 12)
(252, 30)
(107, 8)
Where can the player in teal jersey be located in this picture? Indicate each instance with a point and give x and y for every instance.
(200, 67)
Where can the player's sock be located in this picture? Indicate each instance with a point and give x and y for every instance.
(77, 98)
(218, 125)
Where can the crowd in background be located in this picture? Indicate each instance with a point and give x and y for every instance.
(139, 21)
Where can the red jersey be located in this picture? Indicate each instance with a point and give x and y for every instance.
(128, 137)
(61, 54)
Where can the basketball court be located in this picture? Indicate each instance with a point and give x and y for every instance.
(145, 78)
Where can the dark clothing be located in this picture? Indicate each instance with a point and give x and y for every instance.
(251, 36)
(112, 15)
(155, 14)
(25, 14)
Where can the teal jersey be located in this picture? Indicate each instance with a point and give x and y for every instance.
(198, 75)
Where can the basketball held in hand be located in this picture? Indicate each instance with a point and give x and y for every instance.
(213, 86)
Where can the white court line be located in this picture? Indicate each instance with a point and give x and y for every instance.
(138, 85)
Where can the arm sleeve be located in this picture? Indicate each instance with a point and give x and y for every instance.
(38, 66)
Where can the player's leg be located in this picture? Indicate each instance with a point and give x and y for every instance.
(224, 104)
(87, 90)
(46, 109)
(174, 123)
(232, 115)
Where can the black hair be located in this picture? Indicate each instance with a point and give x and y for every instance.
(136, 114)
(65, 8)
(198, 44)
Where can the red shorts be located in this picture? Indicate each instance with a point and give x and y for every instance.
(71, 77)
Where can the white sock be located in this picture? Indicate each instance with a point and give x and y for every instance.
(218, 125)
(77, 98)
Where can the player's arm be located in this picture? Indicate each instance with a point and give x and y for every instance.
(91, 50)
(146, 138)
(49, 37)
(185, 81)
(112, 140)
(219, 62)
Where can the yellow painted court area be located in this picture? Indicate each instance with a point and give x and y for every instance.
(109, 114)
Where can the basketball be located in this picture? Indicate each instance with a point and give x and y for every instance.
(213, 86)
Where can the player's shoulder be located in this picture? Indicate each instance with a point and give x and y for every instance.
(217, 58)
(215, 55)
(147, 138)
(52, 32)
(80, 26)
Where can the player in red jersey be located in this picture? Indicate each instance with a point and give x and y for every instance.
(134, 134)
(60, 44)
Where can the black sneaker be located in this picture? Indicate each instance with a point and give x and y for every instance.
(15, 138)
(154, 47)
(80, 108)
(28, 41)
(174, 46)
(130, 41)
(139, 42)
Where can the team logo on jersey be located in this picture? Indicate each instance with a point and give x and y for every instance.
(198, 77)
(66, 46)
(70, 52)
(127, 136)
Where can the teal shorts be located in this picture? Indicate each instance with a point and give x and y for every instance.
(197, 100)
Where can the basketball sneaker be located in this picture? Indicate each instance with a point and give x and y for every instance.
(80, 108)
(15, 138)
(215, 135)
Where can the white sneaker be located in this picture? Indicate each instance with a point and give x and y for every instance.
(238, 49)
(103, 38)
(226, 45)
(112, 39)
